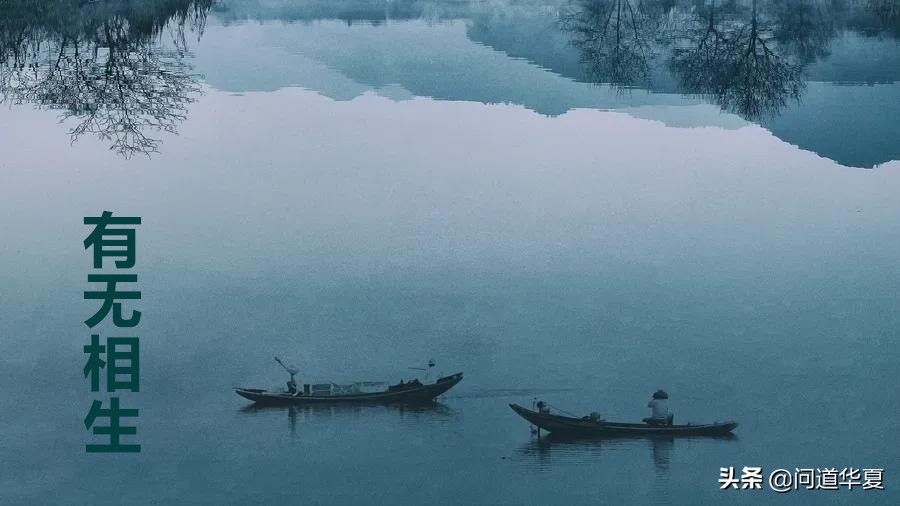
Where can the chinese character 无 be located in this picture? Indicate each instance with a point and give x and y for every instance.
(114, 430)
(112, 242)
(109, 296)
(121, 362)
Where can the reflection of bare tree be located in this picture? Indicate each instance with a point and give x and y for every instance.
(888, 9)
(888, 14)
(803, 28)
(615, 38)
(104, 64)
(748, 56)
(732, 55)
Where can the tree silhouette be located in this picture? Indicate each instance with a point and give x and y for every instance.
(731, 54)
(103, 64)
(803, 29)
(887, 14)
(615, 38)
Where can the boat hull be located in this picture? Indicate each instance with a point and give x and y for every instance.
(581, 427)
(419, 395)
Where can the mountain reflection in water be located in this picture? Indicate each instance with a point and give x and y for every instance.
(124, 71)
(749, 57)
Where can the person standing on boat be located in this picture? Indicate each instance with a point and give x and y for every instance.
(292, 383)
(659, 409)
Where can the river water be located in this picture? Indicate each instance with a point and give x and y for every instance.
(505, 187)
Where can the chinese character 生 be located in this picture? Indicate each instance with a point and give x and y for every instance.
(114, 430)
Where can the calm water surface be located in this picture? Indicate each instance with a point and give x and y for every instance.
(706, 203)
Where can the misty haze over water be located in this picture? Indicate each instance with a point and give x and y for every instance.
(705, 203)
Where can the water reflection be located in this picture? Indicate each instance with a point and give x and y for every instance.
(359, 413)
(732, 55)
(614, 38)
(121, 72)
(117, 69)
(883, 17)
(748, 57)
(552, 448)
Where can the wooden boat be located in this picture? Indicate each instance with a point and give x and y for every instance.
(402, 393)
(587, 426)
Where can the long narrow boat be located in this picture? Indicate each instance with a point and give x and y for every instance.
(403, 393)
(587, 426)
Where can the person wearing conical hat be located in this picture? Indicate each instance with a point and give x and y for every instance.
(659, 409)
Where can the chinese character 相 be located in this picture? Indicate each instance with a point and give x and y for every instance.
(120, 362)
